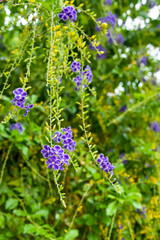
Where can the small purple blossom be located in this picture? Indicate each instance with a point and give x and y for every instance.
(88, 73)
(28, 109)
(122, 155)
(76, 66)
(120, 226)
(111, 19)
(105, 164)
(68, 12)
(108, 2)
(46, 151)
(78, 81)
(144, 60)
(143, 211)
(57, 137)
(123, 108)
(144, 80)
(155, 126)
(151, 3)
(119, 39)
(110, 39)
(17, 126)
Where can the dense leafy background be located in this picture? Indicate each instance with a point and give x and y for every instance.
(30, 207)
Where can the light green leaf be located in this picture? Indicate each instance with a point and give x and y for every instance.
(11, 203)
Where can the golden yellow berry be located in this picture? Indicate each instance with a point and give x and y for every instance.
(104, 25)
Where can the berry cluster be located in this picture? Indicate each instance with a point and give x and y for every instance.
(105, 164)
(17, 126)
(56, 158)
(68, 12)
(19, 100)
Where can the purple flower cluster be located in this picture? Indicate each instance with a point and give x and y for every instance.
(66, 138)
(85, 75)
(68, 12)
(19, 97)
(88, 73)
(17, 126)
(108, 2)
(105, 164)
(155, 126)
(19, 100)
(76, 66)
(56, 157)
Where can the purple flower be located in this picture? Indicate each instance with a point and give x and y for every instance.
(119, 39)
(28, 109)
(111, 19)
(110, 39)
(155, 126)
(104, 55)
(76, 66)
(68, 12)
(19, 100)
(88, 73)
(57, 137)
(120, 226)
(105, 164)
(143, 211)
(151, 3)
(158, 26)
(123, 108)
(46, 151)
(17, 126)
(19, 97)
(108, 2)
(78, 81)
(122, 155)
(143, 79)
(144, 60)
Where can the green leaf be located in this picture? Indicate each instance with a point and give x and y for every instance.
(19, 212)
(111, 208)
(11, 203)
(2, 221)
(72, 234)
(29, 228)
(41, 213)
